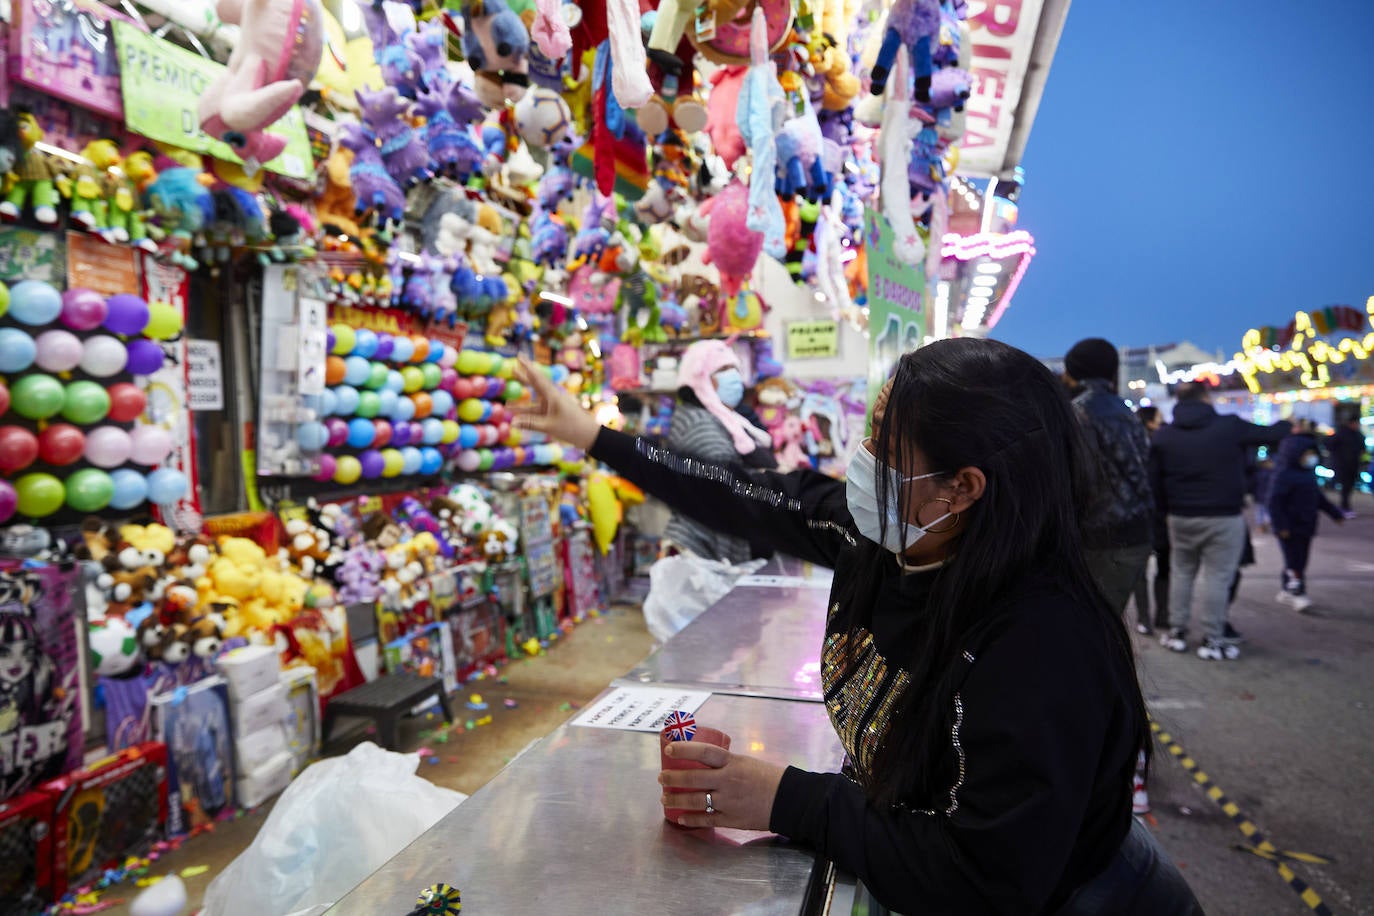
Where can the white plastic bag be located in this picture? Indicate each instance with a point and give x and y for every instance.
(682, 586)
(340, 821)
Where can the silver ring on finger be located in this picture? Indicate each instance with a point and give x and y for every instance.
(710, 808)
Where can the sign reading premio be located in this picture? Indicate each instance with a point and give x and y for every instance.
(813, 339)
(162, 86)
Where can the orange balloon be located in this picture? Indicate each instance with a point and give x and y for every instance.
(424, 405)
(421, 348)
(334, 370)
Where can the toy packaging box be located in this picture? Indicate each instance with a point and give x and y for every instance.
(479, 636)
(25, 854)
(194, 723)
(302, 718)
(40, 688)
(107, 812)
(427, 652)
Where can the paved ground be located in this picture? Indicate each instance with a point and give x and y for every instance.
(1287, 732)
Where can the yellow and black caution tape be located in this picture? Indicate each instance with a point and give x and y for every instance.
(1258, 845)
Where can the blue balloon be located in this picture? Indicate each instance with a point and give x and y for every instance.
(468, 436)
(361, 432)
(405, 409)
(312, 436)
(436, 352)
(356, 370)
(430, 461)
(394, 382)
(166, 486)
(431, 431)
(35, 303)
(329, 403)
(364, 343)
(442, 401)
(130, 488)
(413, 460)
(386, 402)
(347, 397)
(17, 350)
(403, 348)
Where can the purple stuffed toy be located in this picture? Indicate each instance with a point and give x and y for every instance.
(373, 186)
(915, 25)
(403, 151)
(453, 150)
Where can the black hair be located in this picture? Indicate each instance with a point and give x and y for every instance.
(1191, 391)
(1147, 414)
(963, 403)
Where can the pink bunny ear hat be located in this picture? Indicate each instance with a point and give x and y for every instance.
(702, 360)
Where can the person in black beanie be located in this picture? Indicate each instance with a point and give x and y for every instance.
(1119, 523)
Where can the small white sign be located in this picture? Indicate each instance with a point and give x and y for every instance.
(639, 709)
(204, 375)
(314, 350)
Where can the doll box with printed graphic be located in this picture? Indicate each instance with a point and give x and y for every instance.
(26, 854)
(112, 809)
(303, 717)
(67, 50)
(194, 723)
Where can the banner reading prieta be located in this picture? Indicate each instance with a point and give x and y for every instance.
(896, 303)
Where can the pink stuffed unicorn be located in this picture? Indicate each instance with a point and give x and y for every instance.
(730, 244)
(276, 56)
(787, 445)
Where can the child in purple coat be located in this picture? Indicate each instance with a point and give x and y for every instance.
(1294, 500)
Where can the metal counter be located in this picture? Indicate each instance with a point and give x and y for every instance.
(574, 826)
(762, 639)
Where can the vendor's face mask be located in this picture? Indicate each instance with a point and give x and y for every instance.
(861, 494)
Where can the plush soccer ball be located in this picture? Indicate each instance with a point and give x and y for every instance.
(114, 647)
(542, 118)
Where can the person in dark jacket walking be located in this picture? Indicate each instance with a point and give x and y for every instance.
(1347, 452)
(1152, 420)
(1119, 527)
(983, 689)
(1197, 471)
(1294, 501)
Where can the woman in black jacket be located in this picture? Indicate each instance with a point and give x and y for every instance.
(985, 693)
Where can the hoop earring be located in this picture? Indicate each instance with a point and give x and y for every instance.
(953, 519)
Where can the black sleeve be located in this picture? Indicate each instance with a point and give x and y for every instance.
(803, 513)
(1254, 434)
(1030, 758)
(1157, 480)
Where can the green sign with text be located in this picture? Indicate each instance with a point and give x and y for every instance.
(162, 85)
(896, 306)
(813, 339)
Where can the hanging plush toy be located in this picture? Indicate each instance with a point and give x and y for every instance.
(914, 25)
(403, 149)
(900, 128)
(34, 173)
(760, 112)
(496, 45)
(278, 52)
(730, 244)
(183, 208)
(373, 186)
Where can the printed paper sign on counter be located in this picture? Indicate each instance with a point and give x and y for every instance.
(639, 709)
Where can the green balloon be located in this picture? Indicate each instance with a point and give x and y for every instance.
(4, 299)
(40, 396)
(485, 459)
(432, 374)
(86, 403)
(376, 376)
(40, 495)
(369, 404)
(89, 490)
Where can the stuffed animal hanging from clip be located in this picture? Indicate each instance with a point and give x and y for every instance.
(900, 128)
(278, 51)
(760, 114)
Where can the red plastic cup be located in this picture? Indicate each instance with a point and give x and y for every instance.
(702, 736)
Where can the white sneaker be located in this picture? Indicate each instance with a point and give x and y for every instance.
(1300, 603)
(1175, 641)
(1218, 652)
(1140, 799)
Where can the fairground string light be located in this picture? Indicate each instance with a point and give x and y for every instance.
(1306, 353)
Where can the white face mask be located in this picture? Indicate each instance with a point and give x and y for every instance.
(861, 493)
(1309, 461)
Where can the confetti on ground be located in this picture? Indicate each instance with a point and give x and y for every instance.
(452, 758)
(431, 759)
(485, 720)
(442, 737)
(564, 707)
(475, 702)
(192, 871)
(148, 882)
(511, 704)
(429, 715)
(469, 725)
(425, 751)
(503, 679)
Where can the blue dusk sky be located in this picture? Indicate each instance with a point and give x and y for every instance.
(1197, 169)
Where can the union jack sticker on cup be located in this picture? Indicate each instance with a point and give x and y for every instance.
(679, 726)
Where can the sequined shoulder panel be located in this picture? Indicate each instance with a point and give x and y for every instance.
(860, 705)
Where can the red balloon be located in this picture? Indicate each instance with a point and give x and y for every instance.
(383, 435)
(127, 402)
(4, 399)
(61, 444)
(463, 389)
(18, 448)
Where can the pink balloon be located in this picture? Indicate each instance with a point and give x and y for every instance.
(83, 309)
(57, 351)
(149, 445)
(338, 431)
(9, 500)
(108, 446)
(469, 460)
(449, 359)
(327, 468)
(448, 378)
